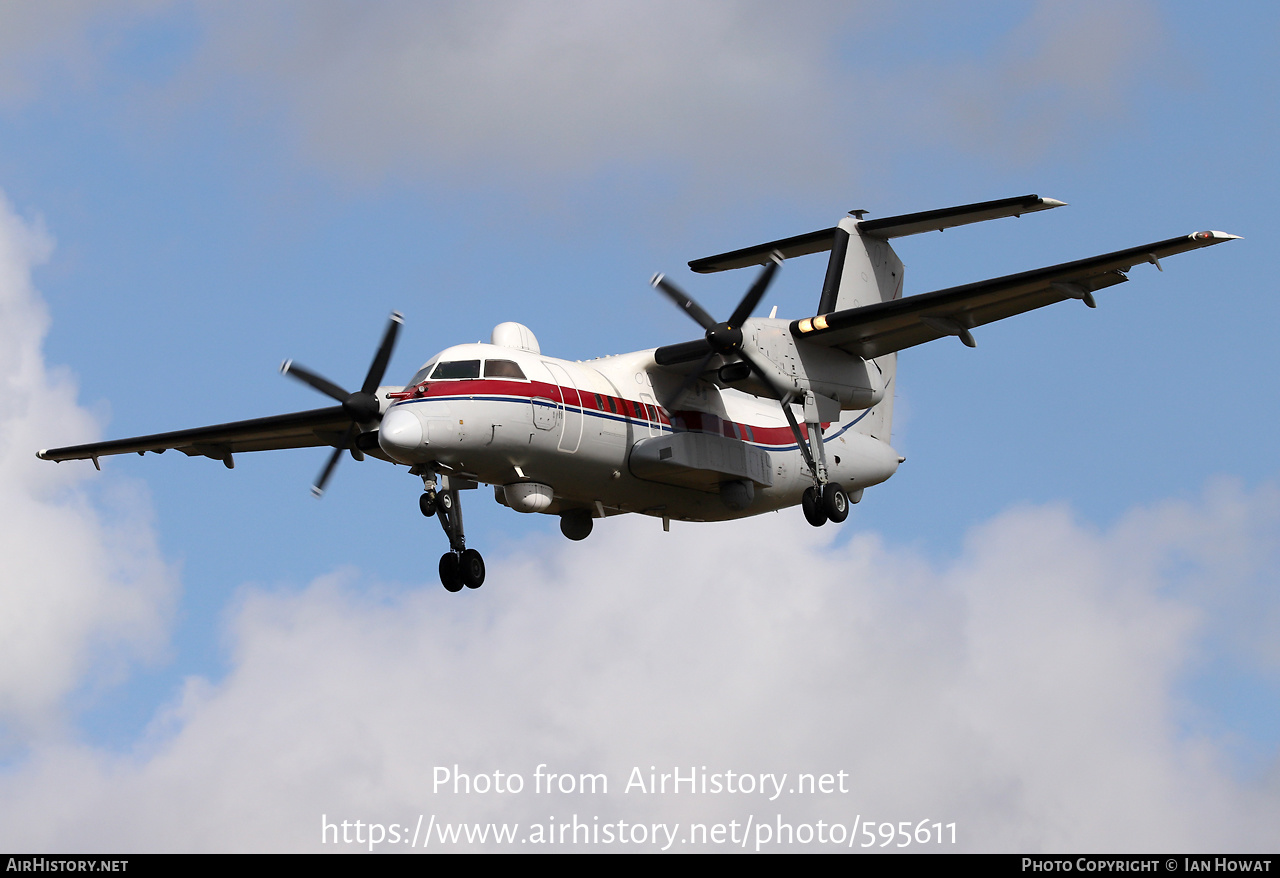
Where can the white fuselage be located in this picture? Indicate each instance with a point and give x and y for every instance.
(573, 426)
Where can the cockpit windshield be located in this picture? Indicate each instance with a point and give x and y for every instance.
(462, 369)
(503, 369)
(456, 369)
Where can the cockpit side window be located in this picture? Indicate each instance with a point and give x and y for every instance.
(502, 369)
(421, 374)
(456, 369)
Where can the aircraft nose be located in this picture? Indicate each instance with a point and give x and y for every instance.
(400, 435)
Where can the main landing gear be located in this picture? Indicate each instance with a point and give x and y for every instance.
(459, 566)
(825, 503)
(826, 500)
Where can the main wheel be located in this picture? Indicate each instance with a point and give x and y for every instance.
(811, 503)
(835, 502)
(427, 503)
(472, 569)
(450, 572)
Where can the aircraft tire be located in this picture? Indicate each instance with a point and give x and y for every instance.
(450, 572)
(427, 503)
(811, 503)
(835, 502)
(472, 569)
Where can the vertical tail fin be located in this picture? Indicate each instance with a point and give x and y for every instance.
(863, 270)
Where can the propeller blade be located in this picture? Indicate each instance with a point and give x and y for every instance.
(317, 489)
(677, 295)
(380, 360)
(785, 396)
(684, 352)
(780, 393)
(800, 440)
(690, 380)
(756, 293)
(306, 376)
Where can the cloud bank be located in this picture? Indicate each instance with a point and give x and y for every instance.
(84, 593)
(525, 95)
(1030, 691)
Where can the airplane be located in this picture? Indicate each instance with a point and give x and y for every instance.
(755, 415)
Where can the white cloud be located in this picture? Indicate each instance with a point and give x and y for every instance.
(1055, 79)
(526, 95)
(1028, 691)
(732, 92)
(42, 43)
(82, 593)
(518, 88)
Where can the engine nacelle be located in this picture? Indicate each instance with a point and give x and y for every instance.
(854, 382)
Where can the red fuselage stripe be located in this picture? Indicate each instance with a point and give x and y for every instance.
(630, 409)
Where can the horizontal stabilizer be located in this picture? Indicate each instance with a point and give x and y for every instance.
(949, 217)
(888, 227)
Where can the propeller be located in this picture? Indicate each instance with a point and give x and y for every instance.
(361, 406)
(726, 339)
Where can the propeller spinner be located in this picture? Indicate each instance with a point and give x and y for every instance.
(362, 406)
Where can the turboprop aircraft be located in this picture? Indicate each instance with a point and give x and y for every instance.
(756, 414)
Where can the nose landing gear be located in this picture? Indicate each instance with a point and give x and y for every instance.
(459, 566)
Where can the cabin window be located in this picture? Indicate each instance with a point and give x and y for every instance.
(502, 369)
(456, 369)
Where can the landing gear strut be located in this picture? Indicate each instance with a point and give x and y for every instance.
(459, 566)
(826, 500)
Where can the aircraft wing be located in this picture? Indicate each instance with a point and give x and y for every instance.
(326, 426)
(884, 327)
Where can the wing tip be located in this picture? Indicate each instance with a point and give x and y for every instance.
(1212, 237)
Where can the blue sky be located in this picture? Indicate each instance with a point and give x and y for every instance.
(1087, 515)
